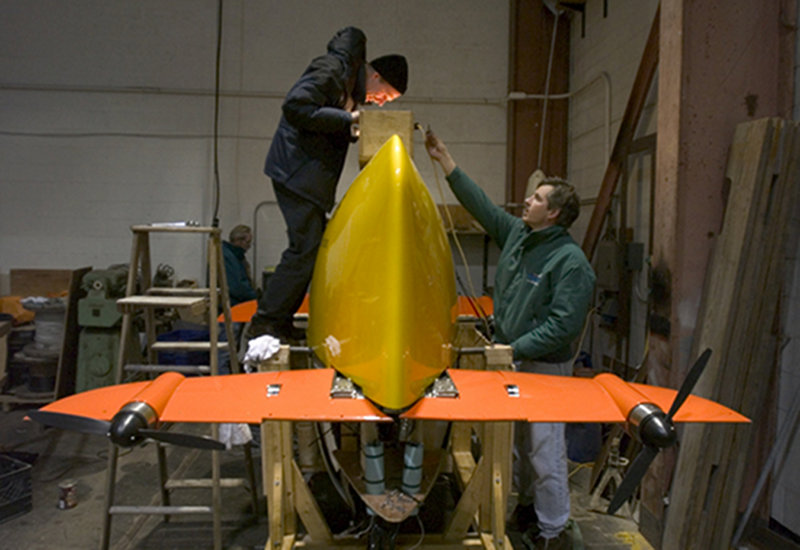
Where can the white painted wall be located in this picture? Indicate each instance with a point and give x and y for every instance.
(603, 65)
(107, 117)
(609, 52)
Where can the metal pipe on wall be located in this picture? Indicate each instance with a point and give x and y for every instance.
(601, 77)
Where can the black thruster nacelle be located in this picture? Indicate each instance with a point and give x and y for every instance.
(650, 425)
(655, 429)
(126, 427)
(135, 421)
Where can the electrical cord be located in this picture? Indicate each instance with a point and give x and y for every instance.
(547, 89)
(215, 219)
(330, 468)
(418, 544)
(451, 228)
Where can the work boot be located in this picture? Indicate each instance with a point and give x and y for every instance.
(259, 326)
(523, 518)
(292, 332)
(535, 541)
(284, 331)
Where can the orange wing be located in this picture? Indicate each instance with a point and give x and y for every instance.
(100, 403)
(294, 395)
(243, 312)
(485, 396)
(482, 396)
(297, 395)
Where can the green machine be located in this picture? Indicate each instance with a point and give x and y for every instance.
(98, 342)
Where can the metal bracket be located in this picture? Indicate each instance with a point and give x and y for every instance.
(442, 387)
(344, 388)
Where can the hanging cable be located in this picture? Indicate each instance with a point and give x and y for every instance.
(470, 294)
(215, 218)
(547, 88)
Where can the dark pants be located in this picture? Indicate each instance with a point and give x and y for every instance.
(286, 288)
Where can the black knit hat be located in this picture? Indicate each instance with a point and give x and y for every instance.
(393, 69)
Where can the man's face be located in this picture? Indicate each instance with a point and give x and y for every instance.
(244, 242)
(379, 91)
(537, 213)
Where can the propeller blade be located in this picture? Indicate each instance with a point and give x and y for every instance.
(184, 440)
(689, 382)
(71, 422)
(633, 477)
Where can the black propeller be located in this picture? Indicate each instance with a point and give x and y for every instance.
(71, 422)
(656, 431)
(126, 429)
(689, 382)
(184, 440)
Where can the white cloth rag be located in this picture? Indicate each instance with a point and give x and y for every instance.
(234, 434)
(260, 349)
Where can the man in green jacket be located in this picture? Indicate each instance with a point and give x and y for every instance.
(543, 290)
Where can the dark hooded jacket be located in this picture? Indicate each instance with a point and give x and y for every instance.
(240, 287)
(309, 147)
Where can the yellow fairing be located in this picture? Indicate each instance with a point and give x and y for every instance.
(383, 290)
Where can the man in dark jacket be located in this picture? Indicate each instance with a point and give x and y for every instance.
(306, 158)
(543, 290)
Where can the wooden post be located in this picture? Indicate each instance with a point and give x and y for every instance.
(276, 446)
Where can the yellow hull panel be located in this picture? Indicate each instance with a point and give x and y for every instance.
(383, 300)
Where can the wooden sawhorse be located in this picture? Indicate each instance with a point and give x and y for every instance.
(485, 484)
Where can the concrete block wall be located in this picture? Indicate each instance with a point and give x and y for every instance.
(107, 116)
(603, 66)
(609, 51)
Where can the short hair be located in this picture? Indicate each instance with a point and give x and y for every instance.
(239, 232)
(562, 197)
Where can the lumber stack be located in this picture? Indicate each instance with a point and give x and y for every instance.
(736, 320)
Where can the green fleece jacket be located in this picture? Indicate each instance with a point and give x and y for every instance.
(544, 284)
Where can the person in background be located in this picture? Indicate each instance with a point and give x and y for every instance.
(237, 268)
(543, 289)
(306, 158)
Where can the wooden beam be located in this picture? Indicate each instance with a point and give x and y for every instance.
(308, 509)
(530, 41)
(469, 502)
(627, 130)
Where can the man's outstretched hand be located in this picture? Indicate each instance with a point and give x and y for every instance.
(438, 152)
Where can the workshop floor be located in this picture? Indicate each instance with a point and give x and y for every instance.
(61, 456)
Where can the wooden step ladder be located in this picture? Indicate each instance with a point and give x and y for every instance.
(196, 300)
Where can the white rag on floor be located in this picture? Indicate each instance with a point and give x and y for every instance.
(234, 434)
